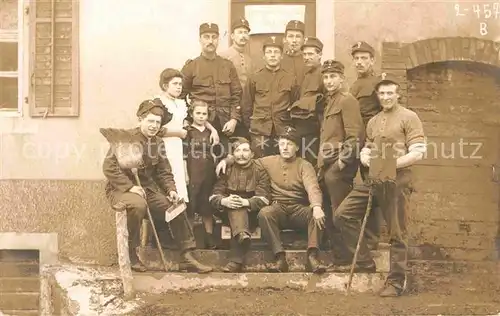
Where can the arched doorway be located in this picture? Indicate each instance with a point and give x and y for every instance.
(453, 85)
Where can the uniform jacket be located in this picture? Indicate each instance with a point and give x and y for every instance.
(155, 175)
(342, 130)
(249, 182)
(216, 82)
(294, 64)
(271, 93)
(363, 89)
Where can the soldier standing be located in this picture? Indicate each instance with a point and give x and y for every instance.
(240, 30)
(306, 111)
(404, 127)
(240, 194)
(158, 189)
(342, 134)
(214, 79)
(271, 91)
(293, 61)
(363, 89)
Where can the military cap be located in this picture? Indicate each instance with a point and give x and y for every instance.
(273, 41)
(209, 28)
(237, 141)
(331, 65)
(312, 42)
(240, 23)
(290, 133)
(362, 47)
(296, 25)
(150, 106)
(386, 78)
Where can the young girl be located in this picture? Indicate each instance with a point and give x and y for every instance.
(201, 168)
(174, 132)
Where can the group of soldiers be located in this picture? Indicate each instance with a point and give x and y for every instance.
(295, 140)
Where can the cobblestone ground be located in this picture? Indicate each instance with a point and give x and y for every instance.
(478, 295)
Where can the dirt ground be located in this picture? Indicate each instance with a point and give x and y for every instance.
(476, 295)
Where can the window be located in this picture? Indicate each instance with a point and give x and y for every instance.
(10, 57)
(54, 66)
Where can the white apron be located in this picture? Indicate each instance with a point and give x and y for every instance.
(173, 145)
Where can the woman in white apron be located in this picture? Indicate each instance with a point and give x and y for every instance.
(171, 86)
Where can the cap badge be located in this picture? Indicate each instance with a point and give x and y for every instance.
(273, 38)
(359, 45)
(383, 75)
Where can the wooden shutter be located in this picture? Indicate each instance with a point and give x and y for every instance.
(54, 63)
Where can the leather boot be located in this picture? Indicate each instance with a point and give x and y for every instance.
(190, 264)
(210, 241)
(135, 263)
(280, 265)
(233, 267)
(244, 240)
(313, 264)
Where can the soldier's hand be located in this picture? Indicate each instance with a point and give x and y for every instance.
(221, 167)
(173, 197)
(231, 202)
(229, 127)
(214, 137)
(138, 190)
(341, 164)
(319, 217)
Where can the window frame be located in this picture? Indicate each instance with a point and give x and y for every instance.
(19, 37)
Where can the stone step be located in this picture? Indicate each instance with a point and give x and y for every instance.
(19, 301)
(34, 312)
(256, 259)
(15, 269)
(164, 282)
(19, 285)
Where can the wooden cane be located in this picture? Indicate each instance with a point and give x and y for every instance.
(162, 255)
(360, 238)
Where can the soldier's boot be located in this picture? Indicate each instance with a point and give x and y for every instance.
(190, 264)
(313, 264)
(360, 267)
(233, 267)
(244, 240)
(135, 263)
(210, 241)
(391, 290)
(280, 265)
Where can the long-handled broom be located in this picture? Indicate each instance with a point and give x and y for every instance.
(129, 155)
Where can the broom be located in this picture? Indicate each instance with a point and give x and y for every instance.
(129, 156)
(381, 177)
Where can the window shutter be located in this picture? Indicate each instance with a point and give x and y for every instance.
(54, 62)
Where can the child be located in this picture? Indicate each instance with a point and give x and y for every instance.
(201, 168)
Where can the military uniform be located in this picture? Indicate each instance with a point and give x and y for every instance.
(250, 182)
(342, 135)
(243, 64)
(271, 92)
(306, 111)
(293, 62)
(216, 82)
(294, 192)
(363, 89)
(157, 180)
(404, 127)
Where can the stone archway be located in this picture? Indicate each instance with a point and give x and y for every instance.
(456, 215)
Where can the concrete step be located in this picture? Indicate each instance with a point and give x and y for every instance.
(14, 269)
(164, 282)
(34, 312)
(19, 301)
(256, 259)
(19, 285)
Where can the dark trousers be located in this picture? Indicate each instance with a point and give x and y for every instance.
(158, 204)
(277, 216)
(373, 223)
(263, 146)
(393, 201)
(337, 184)
(239, 221)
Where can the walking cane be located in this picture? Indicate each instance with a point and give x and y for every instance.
(382, 173)
(129, 153)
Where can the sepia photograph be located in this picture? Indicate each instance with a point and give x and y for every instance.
(249, 157)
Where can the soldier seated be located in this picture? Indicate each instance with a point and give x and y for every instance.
(296, 201)
(241, 193)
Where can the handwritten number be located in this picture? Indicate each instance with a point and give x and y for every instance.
(477, 10)
(457, 8)
(487, 11)
(496, 9)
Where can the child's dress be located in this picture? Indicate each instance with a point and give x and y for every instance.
(173, 145)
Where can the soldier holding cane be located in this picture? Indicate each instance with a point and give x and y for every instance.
(404, 132)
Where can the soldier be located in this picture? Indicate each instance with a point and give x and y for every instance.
(363, 89)
(158, 189)
(405, 128)
(306, 111)
(297, 203)
(243, 64)
(271, 91)
(342, 134)
(240, 194)
(214, 79)
(293, 61)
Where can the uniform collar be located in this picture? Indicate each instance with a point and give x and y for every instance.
(207, 58)
(273, 70)
(367, 74)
